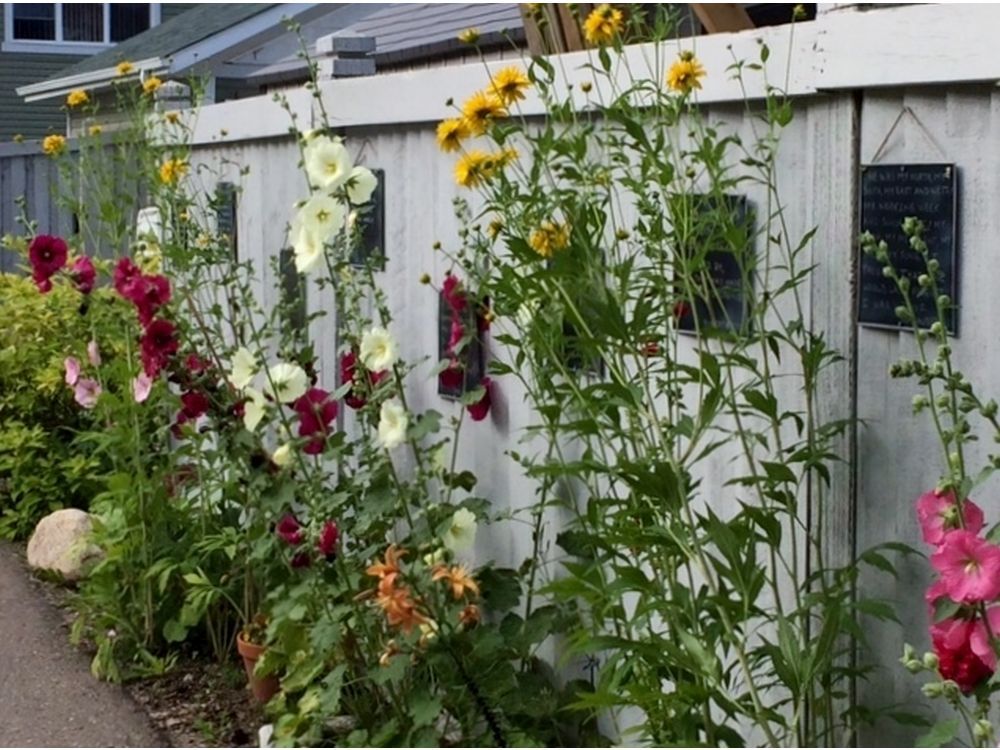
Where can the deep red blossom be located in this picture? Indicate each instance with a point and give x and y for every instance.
(148, 294)
(327, 543)
(301, 560)
(481, 408)
(47, 255)
(290, 530)
(84, 274)
(454, 294)
(157, 346)
(316, 409)
(125, 273)
(952, 640)
(350, 372)
(681, 309)
(195, 364)
(194, 404)
(453, 376)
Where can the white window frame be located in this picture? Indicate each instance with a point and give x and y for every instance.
(57, 45)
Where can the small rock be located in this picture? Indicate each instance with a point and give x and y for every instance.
(61, 543)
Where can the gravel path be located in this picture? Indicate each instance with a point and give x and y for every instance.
(48, 697)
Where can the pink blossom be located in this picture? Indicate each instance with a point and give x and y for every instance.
(86, 392)
(969, 567)
(936, 591)
(979, 640)
(72, 365)
(938, 515)
(141, 387)
(93, 353)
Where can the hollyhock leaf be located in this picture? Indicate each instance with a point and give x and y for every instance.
(427, 423)
(941, 734)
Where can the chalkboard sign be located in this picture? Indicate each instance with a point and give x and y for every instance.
(889, 194)
(293, 293)
(471, 356)
(371, 219)
(720, 303)
(225, 213)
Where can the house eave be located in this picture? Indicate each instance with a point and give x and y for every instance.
(94, 79)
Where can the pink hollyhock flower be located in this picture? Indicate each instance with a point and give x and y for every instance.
(327, 544)
(936, 591)
(956, 659)
(453, 376)
(481, 408)
(316, 410)
(454, 294)
(47, 255)
(93, 353)
(83, 274)
(158, 344)
(125, 274)
(141, 387)
(194, 404)
(969, 567)
(72, 365)
(86, 392)
(289, 530)
(979, 640)
(938, 514)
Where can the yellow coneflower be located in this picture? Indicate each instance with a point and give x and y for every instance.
(53, 145)
(172, 170)
(474, 168)
(95, 130)
(481, 109)
(172, 117)
(549, 238)
(509, 84)
(451, 133)
(685, 74)
(151, 84)
(603, 24)
(76, 98)
(469, 36)
(124, 68)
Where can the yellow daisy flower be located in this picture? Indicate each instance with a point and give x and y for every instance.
(508, 84)
(603, 24)
(451, 133)
(76, 98)
(172, 170)
(474, 168)
(53, 145)
(469, 36)
(480, 109)
(685, 74)
(95, 130)
(172, 117)
(124, 68)
(549, 238)
(151, 84)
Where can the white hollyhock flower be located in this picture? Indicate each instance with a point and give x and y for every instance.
(378, 350)
(242, 368)
(461, 534)
(321, 215)
(283, 455)
(287, 382)
(327, 162)
(392, 424)
(360, 185)
(308, 249)
(254, 409)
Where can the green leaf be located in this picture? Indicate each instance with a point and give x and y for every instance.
(174, 631)
(942, 732)
(424, 709)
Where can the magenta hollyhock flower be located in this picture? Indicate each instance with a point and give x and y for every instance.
(481, 408)
(937, 590)
(327, 543)
(125, 274)
(86, 392)
(316, 410)
(956, 658)
(148, 294)
(83, 274)
(969, 567)
(454, 294)
(93, 353)
(47, 255)
(72, 365)
(453, 376)
(158, 344)
(290, 530)
(194, 404)
(141, 387)
(938, 514)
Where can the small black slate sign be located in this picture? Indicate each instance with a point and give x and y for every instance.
(371, 218)
(889, 194)
(471, 356)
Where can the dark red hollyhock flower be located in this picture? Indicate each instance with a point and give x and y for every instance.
(956, 659)
(180, 420)
(157, 345)
(349, 373)
(454, 294)
(327, 543)
(194, 404)
(195, 364)
(149, 294)
(316, 410)
(47, 255)
(453, 376)
(290, 530)
(681, 309)
(301, 560)
(84, 274)
(125, 274)
(481, 408)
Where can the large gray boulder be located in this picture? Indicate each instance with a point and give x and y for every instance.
(61, 544)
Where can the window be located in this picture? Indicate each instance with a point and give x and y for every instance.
(78, 28)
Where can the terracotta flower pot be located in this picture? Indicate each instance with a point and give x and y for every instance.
(263, 688)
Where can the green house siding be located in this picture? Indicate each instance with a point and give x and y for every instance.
(38, 119)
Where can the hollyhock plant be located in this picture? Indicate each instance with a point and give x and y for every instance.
(327, 543)
(83, 274)
(158, 344)
(481, 408)
(316, 409)
(969, 567)
(47, 255)
(956, 659)
(290, 530)
(938, 514)
(86, 392)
